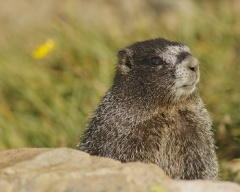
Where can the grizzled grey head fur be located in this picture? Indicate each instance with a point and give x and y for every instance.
(158, 68)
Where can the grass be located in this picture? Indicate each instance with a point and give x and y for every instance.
(46, 102)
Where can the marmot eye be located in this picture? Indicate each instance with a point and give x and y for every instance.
(156, 61)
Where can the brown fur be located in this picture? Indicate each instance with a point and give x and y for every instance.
(150, 115)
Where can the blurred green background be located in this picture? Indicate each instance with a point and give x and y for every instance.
(57, 59)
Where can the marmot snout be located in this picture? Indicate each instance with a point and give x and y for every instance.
(153, 113)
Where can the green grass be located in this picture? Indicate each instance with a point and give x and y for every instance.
(46, 102)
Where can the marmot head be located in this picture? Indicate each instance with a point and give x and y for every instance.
(158, 69)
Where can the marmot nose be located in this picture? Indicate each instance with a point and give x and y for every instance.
(192, 63)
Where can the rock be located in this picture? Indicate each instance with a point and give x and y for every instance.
(69, 170)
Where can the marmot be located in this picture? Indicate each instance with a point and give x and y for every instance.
(154, 114)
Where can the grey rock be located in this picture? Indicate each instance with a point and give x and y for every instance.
(69, 170)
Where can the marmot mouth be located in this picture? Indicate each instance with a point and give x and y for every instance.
(188, 86)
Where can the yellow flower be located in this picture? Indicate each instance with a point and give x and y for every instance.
(44, 49)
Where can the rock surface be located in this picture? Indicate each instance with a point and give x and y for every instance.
(69, 170)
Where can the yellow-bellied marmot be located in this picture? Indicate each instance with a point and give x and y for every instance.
(154, 114)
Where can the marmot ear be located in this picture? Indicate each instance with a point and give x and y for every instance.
(124, 62)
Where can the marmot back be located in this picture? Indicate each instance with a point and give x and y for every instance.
(153, 113)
